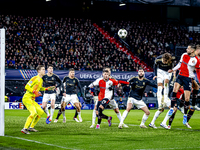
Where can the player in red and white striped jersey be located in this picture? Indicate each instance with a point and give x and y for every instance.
(188, 62)
(113, 105)
(105, 95)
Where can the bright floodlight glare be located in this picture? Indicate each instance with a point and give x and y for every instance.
(122, 4)
(48, 0)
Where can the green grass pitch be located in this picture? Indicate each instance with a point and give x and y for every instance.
(78, 136)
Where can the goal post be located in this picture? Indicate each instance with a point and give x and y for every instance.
(2, 81)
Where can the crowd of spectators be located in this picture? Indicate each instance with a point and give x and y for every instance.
(63, 42)
(73, 42)
(148, 40)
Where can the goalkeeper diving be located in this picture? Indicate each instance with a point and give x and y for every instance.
(33, 88)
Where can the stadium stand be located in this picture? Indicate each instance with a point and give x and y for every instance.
(64, 42)
(76, 42)
(148, 40)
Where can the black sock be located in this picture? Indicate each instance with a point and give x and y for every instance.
(104, 116)
(99, 120)
(182, 103)
(59, 113)
(100, 115)
(76, 114)
(171, 119)
(194, 97)
(173, 99)
(186, 107)
(189, 115)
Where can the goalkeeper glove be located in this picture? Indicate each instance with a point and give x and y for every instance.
(50, 88)
(37, 93)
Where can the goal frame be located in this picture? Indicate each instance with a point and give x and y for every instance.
(2, 82)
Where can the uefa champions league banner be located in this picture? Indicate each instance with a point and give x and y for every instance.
(81, 75)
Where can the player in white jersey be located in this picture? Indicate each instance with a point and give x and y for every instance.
(162, 64)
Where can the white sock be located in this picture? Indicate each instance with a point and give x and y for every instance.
(79, 114)
(166, 118)
(46, 111)
(166, 92)
(144, 119)
(156, 116)
(159, 95)
(63, 113)
(52, 111)
(119, 116)
(124, 115)
(94, 116)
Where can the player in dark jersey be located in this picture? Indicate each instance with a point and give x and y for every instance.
(70, 84)
(138, 85)
(60, 111)
(50, 79)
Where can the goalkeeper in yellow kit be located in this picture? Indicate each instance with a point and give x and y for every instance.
(32, 91)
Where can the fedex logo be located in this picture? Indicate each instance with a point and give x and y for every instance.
(16, 106)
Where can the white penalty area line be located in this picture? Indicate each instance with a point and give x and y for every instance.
(40, 142)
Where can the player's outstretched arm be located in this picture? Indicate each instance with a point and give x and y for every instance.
(179, 64)
(47, 88)
(198, 74)
(95, 83)
(80, 88)
(151, 84)
(154, 77)
(122, 82)
(155, 67)
(58, 81)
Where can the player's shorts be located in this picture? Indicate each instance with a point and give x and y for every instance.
(162, 104)
(47, 97)
(32, 106)
(186, 82)
(104, 102)
(95, 100)
(162, 75)
(70, 99)
(113, 104)
(138, 103)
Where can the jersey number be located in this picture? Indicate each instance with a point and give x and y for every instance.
(190, 85)
(103, 101)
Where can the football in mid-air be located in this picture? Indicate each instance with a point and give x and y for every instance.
(122, 33)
